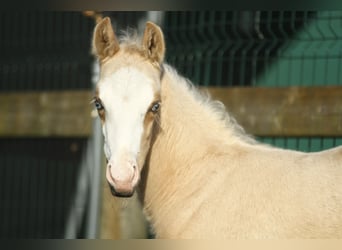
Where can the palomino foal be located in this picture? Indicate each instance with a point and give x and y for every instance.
(199, 175)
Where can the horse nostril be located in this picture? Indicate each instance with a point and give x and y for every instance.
(109, 165)
(134, 167)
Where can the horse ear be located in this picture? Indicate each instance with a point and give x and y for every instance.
(153, 42)
(105, 43)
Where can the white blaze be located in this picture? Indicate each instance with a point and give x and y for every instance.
(126, 96)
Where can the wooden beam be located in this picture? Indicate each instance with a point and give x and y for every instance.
(290, 111)
(41, 114)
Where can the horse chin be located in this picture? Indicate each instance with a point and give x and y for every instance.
(121, 194)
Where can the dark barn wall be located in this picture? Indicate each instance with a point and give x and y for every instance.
(41, 51)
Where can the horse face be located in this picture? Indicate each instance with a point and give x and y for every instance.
(128, 105)
(128, 101)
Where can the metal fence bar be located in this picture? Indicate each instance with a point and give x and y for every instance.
(95, 173)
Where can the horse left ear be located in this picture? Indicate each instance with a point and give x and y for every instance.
(153, 42)
(105, 43)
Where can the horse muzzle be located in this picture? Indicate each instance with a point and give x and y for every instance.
(123, 180)
(120, 193)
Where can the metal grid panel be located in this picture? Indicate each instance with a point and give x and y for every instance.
(305, 144)
(311, 57)
(256, 48)
(37, 181)
(44, 51)
(227, 48)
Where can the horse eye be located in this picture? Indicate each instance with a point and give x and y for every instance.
(155, 107)
(98, 105)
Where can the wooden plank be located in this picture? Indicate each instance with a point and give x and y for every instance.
(290, 111)
(40, 114)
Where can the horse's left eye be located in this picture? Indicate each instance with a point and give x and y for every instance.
(155, 107)
(98, 105)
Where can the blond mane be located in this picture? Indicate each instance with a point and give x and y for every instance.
(215, 107)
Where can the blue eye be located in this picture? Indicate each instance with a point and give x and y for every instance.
(98, 105)
(155, 107)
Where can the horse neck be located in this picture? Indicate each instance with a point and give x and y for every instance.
(188, 128)
(189, 134)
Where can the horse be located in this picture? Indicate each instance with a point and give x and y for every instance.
(197, 173)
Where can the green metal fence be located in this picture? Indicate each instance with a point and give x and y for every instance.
(259, 48)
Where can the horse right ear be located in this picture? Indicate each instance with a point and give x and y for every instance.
(153, 42)
(105, 43)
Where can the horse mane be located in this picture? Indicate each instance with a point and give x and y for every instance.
(131, 41)
(216, 107)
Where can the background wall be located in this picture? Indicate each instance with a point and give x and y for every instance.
(41, 51)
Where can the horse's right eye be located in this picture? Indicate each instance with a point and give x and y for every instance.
(98, 105)
(155, 107)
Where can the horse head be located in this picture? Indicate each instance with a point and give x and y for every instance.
(128, 100)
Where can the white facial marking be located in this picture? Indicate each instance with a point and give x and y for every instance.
(126, 96)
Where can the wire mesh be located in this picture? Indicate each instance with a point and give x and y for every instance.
(37, 180)
(260, 48)
(44, 51)
(311, 57)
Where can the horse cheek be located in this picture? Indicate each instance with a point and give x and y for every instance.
(145, 139)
